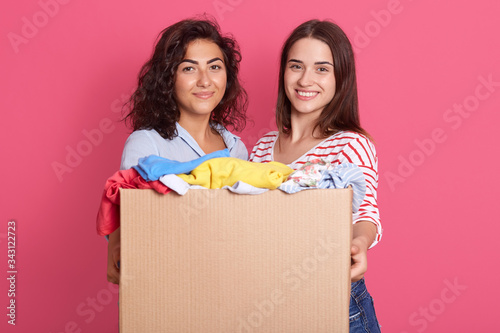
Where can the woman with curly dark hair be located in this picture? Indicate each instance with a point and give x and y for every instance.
(187, 94)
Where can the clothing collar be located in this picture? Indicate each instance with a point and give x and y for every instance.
(229, 138)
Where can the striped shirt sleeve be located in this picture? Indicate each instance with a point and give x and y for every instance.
(360, 151)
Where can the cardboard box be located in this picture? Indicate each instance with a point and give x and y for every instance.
(214, 261)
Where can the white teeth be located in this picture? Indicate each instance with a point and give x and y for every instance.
(306, 94)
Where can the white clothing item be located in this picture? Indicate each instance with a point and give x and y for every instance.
(181, 187)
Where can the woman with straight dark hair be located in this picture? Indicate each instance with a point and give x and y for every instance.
(317, 118)
(187, 94)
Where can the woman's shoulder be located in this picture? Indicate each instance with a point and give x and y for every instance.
(261, 151)
(348, 135)
(144, 133)
(233, 142)
(354, 146)
(149, 137)
(139, 144)
(268, 138)
(350, 138)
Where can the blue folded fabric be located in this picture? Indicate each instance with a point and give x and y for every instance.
(153, 167)
(341, 176)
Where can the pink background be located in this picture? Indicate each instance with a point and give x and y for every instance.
(423, 68)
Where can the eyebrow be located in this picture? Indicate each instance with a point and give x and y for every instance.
(196, 62)
(316, 63)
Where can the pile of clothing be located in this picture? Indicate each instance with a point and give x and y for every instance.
(219, 171)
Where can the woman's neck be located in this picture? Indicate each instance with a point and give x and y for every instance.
(303, 127)
(199, 129)
(300, 140)
(197, 126)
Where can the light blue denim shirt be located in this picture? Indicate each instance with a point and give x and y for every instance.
(182, 148)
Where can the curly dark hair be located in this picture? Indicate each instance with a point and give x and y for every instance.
(341, 114)
(153, 104)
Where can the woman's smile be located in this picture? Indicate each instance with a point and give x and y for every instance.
(204, 94)
(306, 95)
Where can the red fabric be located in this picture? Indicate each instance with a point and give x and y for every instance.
(108, 217)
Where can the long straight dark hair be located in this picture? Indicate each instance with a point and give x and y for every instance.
(341, 114)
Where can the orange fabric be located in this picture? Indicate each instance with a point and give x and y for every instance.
(108, 217)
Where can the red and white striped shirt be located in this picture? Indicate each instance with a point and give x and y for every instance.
(342, 147)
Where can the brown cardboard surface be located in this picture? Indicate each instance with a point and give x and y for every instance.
(215, 261)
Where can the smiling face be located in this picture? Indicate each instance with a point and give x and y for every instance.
(309, 79)
(201, 79)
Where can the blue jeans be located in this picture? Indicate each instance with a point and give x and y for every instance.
(362, 318)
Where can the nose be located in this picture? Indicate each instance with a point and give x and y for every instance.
(204, 79)
(305, 79)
